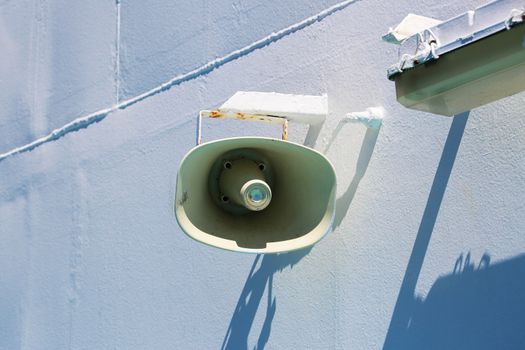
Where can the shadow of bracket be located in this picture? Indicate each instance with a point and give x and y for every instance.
(264, 267)
(367, 149)
(259, 279)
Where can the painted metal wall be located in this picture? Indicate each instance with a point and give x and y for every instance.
(428, 247)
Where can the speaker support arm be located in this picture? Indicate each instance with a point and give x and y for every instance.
(217, 114)
(270, 107)
(372, 118)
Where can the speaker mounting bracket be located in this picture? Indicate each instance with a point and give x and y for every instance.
(269, 107)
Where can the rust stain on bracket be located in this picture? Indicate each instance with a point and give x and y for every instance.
(215, 114)
(218, 114)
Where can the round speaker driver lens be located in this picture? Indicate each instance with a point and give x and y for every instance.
(257, 195)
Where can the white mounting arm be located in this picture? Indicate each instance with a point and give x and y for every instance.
(270, 107)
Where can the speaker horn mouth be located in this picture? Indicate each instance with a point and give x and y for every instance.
(256, 195)
(301, 208)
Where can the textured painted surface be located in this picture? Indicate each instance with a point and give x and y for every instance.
(168, 38)
(57, 63)
(427, 252)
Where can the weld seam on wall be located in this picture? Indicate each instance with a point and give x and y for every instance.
(117, 55)
(85, 121)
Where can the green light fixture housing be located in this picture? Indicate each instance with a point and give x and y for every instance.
(462, 63)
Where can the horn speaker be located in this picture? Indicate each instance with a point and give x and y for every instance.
(255, 194)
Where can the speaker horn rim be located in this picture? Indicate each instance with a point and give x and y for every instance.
(302, 242)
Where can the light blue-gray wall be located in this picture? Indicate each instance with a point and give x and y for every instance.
(427, 252)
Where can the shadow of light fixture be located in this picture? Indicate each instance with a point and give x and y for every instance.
(258, 194)
(465, 62)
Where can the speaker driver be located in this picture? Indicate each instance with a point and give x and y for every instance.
(241, 181)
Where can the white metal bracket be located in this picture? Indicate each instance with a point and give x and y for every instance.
(409, 26)
(371, 118)
(269, 107)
